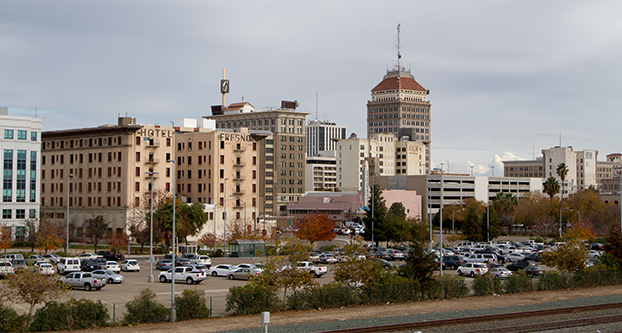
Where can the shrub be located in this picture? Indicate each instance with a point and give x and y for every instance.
(451, 287)
(518, 282)
(70, 315)
(553, 280)
(328, 248)
(145, 309)
(250, 299)
(192, 305)
(332, 295)
(11, 321)
(595, 276)
(486, 284)
(217, 253)
(271, 250)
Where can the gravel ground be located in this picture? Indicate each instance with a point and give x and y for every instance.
(332, 319)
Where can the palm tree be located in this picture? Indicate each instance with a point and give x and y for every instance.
(562, 171)
(551, 187)
(505, 205)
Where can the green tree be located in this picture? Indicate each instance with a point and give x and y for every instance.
(32, 287)
(163, 217)
(568, 257)
(551, 188)
(472, 226)
(193, 219)
(397, 209)
(420, 264)
(505, 204)
(562, 171)
(374, 224)
(96, 229)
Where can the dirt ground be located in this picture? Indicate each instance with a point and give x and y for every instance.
(388, 310)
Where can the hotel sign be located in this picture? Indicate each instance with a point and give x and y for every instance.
(156, 133)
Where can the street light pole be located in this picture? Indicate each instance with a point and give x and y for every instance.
(441, 227)
(488, 213)
(67, 240)
(224, 236)
(173, 312)
(150, 279)
(373, 195)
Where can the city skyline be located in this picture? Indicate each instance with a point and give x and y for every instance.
(506, 80)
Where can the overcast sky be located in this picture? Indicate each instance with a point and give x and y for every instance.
(507, 78)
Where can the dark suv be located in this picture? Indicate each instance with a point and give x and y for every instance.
(452, 262)
(90, 265)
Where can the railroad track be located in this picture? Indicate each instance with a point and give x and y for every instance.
(501, 317)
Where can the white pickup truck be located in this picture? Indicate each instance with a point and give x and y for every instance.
(182, 274)
(6, 267)
(318, 271)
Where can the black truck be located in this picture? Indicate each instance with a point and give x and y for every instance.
(110, 256)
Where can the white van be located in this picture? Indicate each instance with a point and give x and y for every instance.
(68, 265)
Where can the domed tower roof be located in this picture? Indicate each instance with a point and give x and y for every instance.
(406, 82)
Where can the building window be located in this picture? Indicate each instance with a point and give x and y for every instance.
(22, 135)
(33, 136)
(6, 214)
(8, 134)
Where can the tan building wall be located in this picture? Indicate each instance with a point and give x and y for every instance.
(222, 165)
(524, 168)
(108, 165)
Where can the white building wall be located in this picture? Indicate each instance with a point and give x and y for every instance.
(552, 158)
(20, 136)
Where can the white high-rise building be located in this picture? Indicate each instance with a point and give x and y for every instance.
(582, 167)
(321, 136)
(20, 139)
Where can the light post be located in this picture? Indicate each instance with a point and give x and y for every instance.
(619, 190)
(67, 240)
(224, 214)
(493, 170)
(488, 213)
(572, 210)
(150, 279)
(373, 217)
(440, 266)
(173, 312)
(430, 213)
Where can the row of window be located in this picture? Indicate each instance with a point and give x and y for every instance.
(396, 108)
(90, 202)
(77, 187)
(19, 176)
(109, 141)
(91, 172)
(79, 158)
(9, 134)
(7, 214)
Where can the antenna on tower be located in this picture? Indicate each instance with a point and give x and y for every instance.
(399, 56)
(316, 115)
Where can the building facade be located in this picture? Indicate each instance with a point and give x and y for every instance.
(321, 173)
(285, 159)
(21, 152)
(223, 169)
(321, 136)
(399, 102)
(524, 168)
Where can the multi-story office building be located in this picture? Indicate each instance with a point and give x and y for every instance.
(399, 102)
(21, 153)
(285, 159)
(360, 161)
(224, 169)
(524, 168)
(321, 136)
(321, 173)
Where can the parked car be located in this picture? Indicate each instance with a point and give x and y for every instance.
(184, 274)
(591, 262)
(202, 260)
(201, 268)
(68, 265)
(164, 264)
(484, 258)
(83, 280)
(534, 270)
(518, 265)
(500, 272)
(45, 268)
(594, 254)
(52, 258)
(130, 265)
(472, 268)
(314, 257)
(12, 256)
(453, 262)
(327, 258)
(222, 270)
(113, 266)
(19, 264)
(90, 265)
(6, 267)
(243, 274)
(109, 276)
(109, 255)
(85, 256)
(395, 254)
(514, 256)
(33, 258)
(535, 256)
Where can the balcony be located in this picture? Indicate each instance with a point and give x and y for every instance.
(238, 178)
(241, 149)
(155, 176)
(239, 164)
(152, 161)
(152, 143)
(238, 192)
(238, 207)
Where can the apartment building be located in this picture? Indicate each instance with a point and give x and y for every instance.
(20, 140)
(285, 159)
(524, 168)
(321, 173)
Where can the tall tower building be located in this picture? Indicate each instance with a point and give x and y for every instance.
(399, 102)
